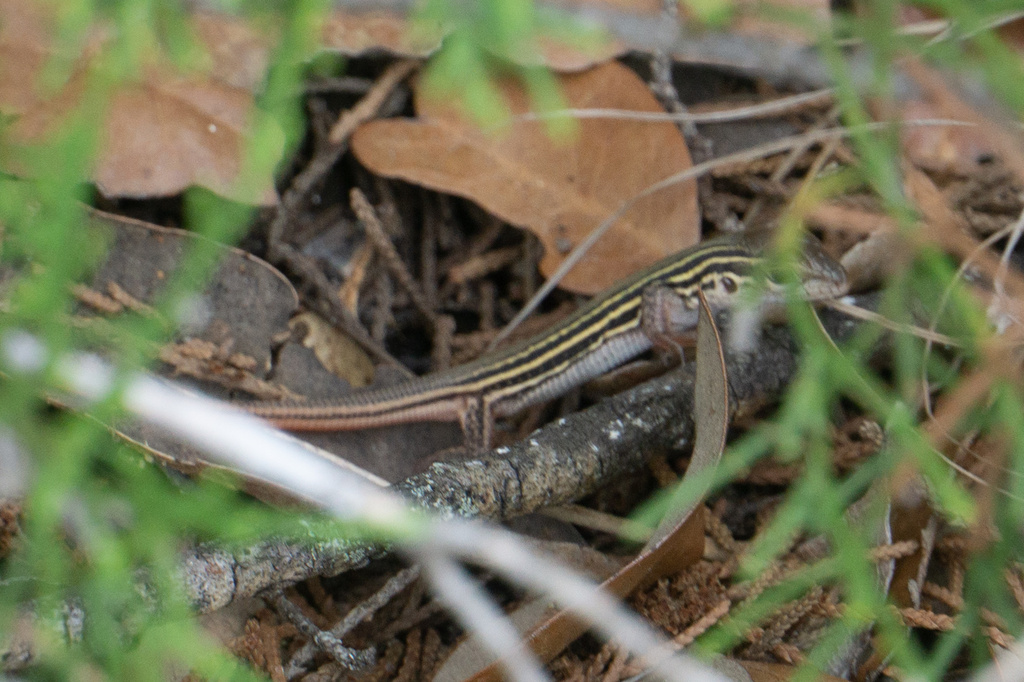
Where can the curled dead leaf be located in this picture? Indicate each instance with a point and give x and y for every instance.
(335, 351)
(558, 189)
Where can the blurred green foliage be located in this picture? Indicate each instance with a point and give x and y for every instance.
(98, 525)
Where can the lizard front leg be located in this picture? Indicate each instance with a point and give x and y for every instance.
(667, 319)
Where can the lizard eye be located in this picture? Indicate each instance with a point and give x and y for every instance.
(729, 284)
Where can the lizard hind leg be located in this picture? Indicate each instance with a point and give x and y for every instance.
(477, 422)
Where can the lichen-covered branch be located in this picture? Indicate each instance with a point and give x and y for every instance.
(557, 464)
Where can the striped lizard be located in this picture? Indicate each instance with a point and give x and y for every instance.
(648, 309)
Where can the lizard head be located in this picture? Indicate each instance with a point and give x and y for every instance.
(821, 277)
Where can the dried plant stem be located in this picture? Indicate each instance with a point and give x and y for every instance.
(386, 249)
(377, 601)
(775, 107)
(367, 107)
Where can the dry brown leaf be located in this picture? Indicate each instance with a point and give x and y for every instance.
(239, 53)
(162, 133)
(710, 419)
(168, 132)
(560, 190)
(911, 523)
(25, 46)
(342, 356)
